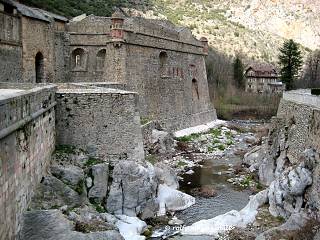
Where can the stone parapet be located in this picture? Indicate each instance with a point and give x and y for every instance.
(27, 140)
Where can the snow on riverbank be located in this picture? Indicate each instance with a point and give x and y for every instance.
(172, 200)
(199, 128)
(131, 227)
(229, 220)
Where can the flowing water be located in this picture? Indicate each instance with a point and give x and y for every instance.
(213, 172)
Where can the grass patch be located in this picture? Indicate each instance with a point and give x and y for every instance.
(181, 164)
(65, 149)
(80, 187)
(221, 147)
(216, 141)
(229, 142)
(216, 132)
(99, 208)
(144, 120)
(211, 149)
(151, 159)
(93, 161)
(189, 138)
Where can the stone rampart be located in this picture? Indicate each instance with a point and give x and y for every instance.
(301, 110)
(27, 140)
(103, 121)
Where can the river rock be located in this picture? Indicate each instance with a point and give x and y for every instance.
(250, 139)
(53, 193)
(266, 171)
(255, 156)
(100, 175)
(295, 222)
(52, 225)
(70, 174)
(175, 221)
(166, 175)
(133, 189)
(162, 141)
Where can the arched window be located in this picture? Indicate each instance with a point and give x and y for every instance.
(79, 60)
(163, 60)
(195, 90)
(101, 56)
(39, 68)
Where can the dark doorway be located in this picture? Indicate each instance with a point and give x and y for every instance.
(39, 68)
(195, 90)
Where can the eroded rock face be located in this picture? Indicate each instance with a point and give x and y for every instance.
(53, 193)
(295, 222)
(52, 225)
(255, 156)
(100, 175)
(286, 192)
(162, 141)
(166, 175)
(133, 189)
(70, 175)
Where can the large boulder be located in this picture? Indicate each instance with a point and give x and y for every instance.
(52, 225)
(53, 193)
(133, 190)
(266, 171)
(255, 157)
(166, 175)
(100, 175)
(161, 141)
(295, 222)
(286, 192)
(70, 174)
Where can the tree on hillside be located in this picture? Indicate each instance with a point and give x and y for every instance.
(311, 74)
(238, 73)
(290, 60)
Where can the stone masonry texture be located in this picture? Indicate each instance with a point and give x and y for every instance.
(105, 122)
(27, 130)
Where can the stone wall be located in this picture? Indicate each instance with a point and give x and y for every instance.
(301, 113)
(38, 37)
(27, 140)
(10, 48)
(104, 122)
(175, 93)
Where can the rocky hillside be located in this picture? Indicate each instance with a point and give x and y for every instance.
(296, 19)
(253, 28)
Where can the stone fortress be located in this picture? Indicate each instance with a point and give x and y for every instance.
(89, 82)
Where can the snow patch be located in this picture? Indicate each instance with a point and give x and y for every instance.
(200, 128)
(131, 227)
(172, 200)
(229, 220)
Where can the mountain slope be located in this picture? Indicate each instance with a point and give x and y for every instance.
(253, 28)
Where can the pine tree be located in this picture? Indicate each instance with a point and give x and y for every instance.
(238, 73)
(290, 60)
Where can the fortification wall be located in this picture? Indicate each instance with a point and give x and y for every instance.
(10, 28)
(10, 48)
(91, 24)
(62, 57)
(174, 90)
(104, 122)
(301, 110)
(27, 140)
(38, 36)
(152, 27)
